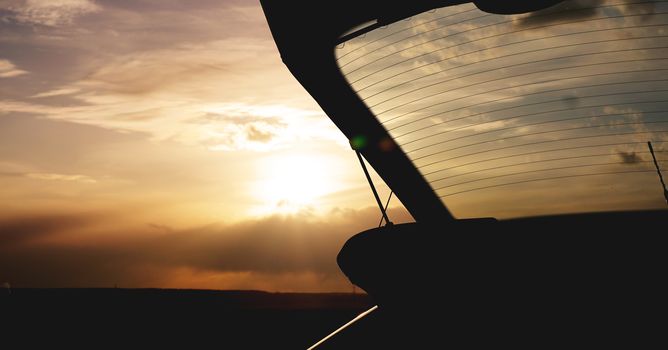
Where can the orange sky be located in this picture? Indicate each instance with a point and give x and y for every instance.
(159, 143)
(164, 144)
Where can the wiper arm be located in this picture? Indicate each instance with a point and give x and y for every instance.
(658, 171)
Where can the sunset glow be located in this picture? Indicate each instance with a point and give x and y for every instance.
(174, 127)
(154, 143)
(296, 182)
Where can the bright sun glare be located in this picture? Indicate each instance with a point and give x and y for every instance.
(290, 183)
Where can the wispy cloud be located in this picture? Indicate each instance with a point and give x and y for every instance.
(8, 169)
(9, 70)
(210, 79)
(61, 177)
(217, 126)
(49, 12)
(57, 92)
(194, 94)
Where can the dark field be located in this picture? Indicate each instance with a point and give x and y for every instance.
(187, 319)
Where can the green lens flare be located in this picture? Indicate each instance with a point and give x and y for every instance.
(358, 142)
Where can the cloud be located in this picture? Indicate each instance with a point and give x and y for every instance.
(57, 92)
(216, 126)
(571, 101)
(567, 10)
(198, 70)
(12, 169)
(50, 12)
(9, 70)
(203, 74)
(300, 248)
(628, 157)
(253, 133)
(21, 229)
(190, 94)
(241, 116)
(238, 127)
(8, 169)
(61, 177)
(575, 10)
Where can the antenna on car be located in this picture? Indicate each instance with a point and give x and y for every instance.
(658, 171)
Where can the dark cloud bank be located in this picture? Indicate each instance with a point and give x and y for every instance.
(32, 255)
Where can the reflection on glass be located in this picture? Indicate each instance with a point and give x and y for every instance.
(510, 116)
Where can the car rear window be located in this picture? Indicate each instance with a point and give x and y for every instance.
(520, 115)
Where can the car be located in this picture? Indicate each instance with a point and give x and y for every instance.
(526, 139)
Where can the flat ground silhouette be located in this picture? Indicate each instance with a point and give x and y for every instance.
(133, 318)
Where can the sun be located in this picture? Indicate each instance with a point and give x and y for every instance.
(293, 182)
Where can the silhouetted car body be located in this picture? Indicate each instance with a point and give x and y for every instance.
(580, 275)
